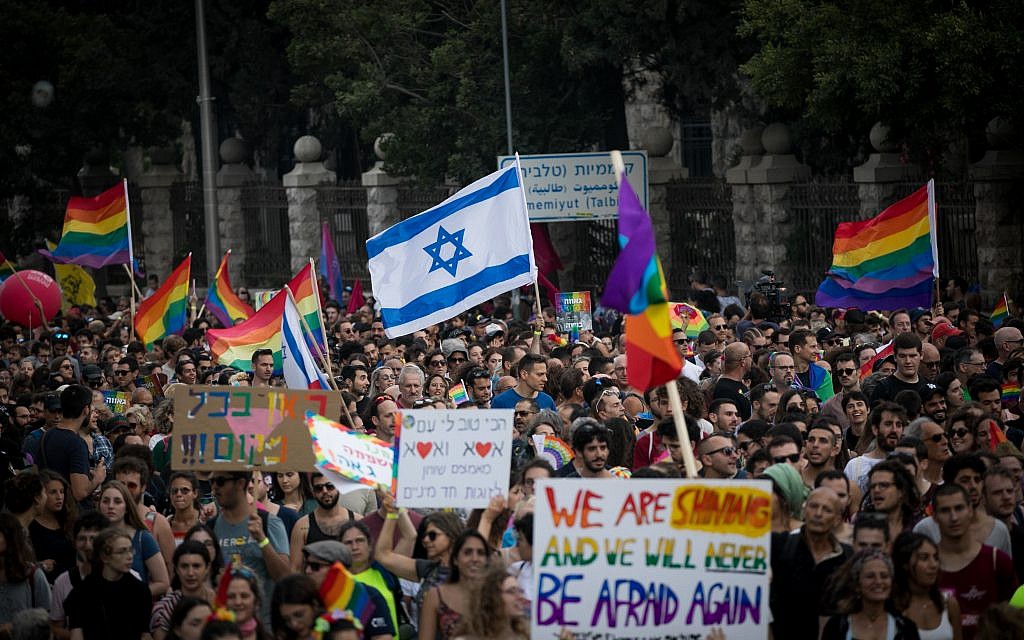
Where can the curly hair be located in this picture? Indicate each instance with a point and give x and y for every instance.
(164, 416)
(846, 582)
(487, 617)
(910, 496)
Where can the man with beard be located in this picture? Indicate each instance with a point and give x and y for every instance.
(590, 445)
(933, 402)
(718, 456)
(782, 369)
(819, 451)
(323, 523)
(887, 421)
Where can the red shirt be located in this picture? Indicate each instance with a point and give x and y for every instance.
(989, 579)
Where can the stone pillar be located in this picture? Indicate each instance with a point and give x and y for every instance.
(877, 178)
(303, 215)
(999, 229)
(661, 170)
(765, 229)
(232, 175)
(744, 214)
(157, 233)
(381, 191)
(95, 176)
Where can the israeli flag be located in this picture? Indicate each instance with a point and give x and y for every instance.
(470, 248)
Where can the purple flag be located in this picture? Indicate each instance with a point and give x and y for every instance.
(330, 268)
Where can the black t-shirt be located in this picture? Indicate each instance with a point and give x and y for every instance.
(63, 451)
(735, 391)
(106, 610)
(889, 387)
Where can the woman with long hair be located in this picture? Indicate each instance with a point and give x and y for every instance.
(50, 532)
(291, 489)
(294, 608)
(445, 606)
(202, 534)
(436, 387)
(191, 580)
(110, 603)
(863, 593)
(183, 489)
(22, 585)
(188, 619)
(915, 588)
(163, 419)
(960, 431)
(498, 609)
(65, 368)
(241, 595)
(382, 378)
(118, 506)
(952, 388)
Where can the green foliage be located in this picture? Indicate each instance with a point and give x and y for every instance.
(934, 71)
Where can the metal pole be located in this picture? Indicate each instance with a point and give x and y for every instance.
(508, 86)
(209, 148)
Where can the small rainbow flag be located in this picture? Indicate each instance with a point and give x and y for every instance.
(458, 394)
(6, 268)
(221, 299)
(555, 450)
(636, 286)
(97, 231)
(234, 346)
(887, 262)
(1010, 394)
(684, 316)
(341, 591)
(307, 300)
(1001, 312)
(166, 311)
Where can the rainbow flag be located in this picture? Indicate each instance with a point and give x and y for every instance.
(221, 299)
(887, 262)
(330, 268)
(97, 231)
(6, 268)
(166, 311)
(342, 592)
(881, 354)
(684, 316)
(636, 286)
(458, 394)
(307, 300)
(1010, 394)
(234, 346)
(1001, 312)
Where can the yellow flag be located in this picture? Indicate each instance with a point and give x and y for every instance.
(76, 283)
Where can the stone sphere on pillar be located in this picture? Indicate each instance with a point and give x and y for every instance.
(776, 139)
(879, 138)
(234, 151)
(308, 149)
(750, 141)
(999, 133)
(379, 144)
(658, 141)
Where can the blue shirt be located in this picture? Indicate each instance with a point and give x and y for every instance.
(509, 399)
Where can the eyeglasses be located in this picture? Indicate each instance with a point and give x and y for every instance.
(846, 372)
(220, 481)
(728, 451)
(936, 438)
(523, 414)
(181, 490)
(959, 433)
(459, 360)
(432, 535)
(718, 327)
(793, 457)
(436, 363)
(327, 486)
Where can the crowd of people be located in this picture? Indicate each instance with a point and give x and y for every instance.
(891, 442)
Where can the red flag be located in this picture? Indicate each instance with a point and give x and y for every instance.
(866, 368)
(356, 299)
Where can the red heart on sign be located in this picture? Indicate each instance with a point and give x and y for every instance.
(483, 448)
(423, 448)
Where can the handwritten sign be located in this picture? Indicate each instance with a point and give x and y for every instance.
(153, 384)
(237, 428)
(575, 186)
(116, 401)
(652, 559)
(454, 458)
(355, 456)
(573, 313)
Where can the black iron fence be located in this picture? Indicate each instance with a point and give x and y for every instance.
(267, 238)
(413, 199)
(597, 246)
(955, 219)
(188, 228)
(701, 227)
(344, 209)
(816, 208)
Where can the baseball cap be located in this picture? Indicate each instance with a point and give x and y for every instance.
(944, 330)
(116, 424)
(823, 333)
(916, 314)
(51, 401)
(854, 316)
(329, 551)
(928, 391)
(456, 332)
(453, 345)
(494, 329)
(92, 372)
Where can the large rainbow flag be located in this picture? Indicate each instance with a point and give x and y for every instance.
(1001, 312)
(307, 299)
(234, 346)
(97, 231)
(166, 311)
(636, 286)
(887, 262)
(221, 299)
(340, 591)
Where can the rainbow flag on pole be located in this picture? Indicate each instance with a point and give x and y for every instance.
(221, 299)
(887, 262)
(6, 268)
(234, 346)
(97, 231)
(1001, 312)
(166, 311)
(307, 300)
(340, 591)
(636, 286)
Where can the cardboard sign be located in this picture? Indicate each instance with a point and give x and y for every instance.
(652, 559)
(117, 401)
(354, 456)
(453, 458)
(152, 383)
(573, 313)
(237, 428)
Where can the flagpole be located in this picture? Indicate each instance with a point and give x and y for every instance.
(320, 313)
(522, 190)
(324, 359)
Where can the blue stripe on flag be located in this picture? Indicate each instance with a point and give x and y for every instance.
(454, 293)
(408, 229)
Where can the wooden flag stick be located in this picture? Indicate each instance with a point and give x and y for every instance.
(131, 279)
(681, 433)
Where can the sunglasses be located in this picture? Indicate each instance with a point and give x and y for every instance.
(431, 535)
(959, 433)
(718, 327)
(456, 360)
(679, 342)
(436, 363)
(120, 372)
(793, 457)
(220, 481)
(846, 372)
(181, 490)
(728, 451)
(327, 486)
(937, 438)
(523, 414)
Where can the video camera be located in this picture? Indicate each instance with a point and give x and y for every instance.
(774, 292)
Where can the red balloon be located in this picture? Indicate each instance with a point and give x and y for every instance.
(16, 303)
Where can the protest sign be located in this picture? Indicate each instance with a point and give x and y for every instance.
(355, 456)
(453, 458)
(261, 297)
(117, 401)
(651, 559)
(237, 428)
(573, 313)
(153, 384)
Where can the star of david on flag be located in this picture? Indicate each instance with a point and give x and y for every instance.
(470, 248)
